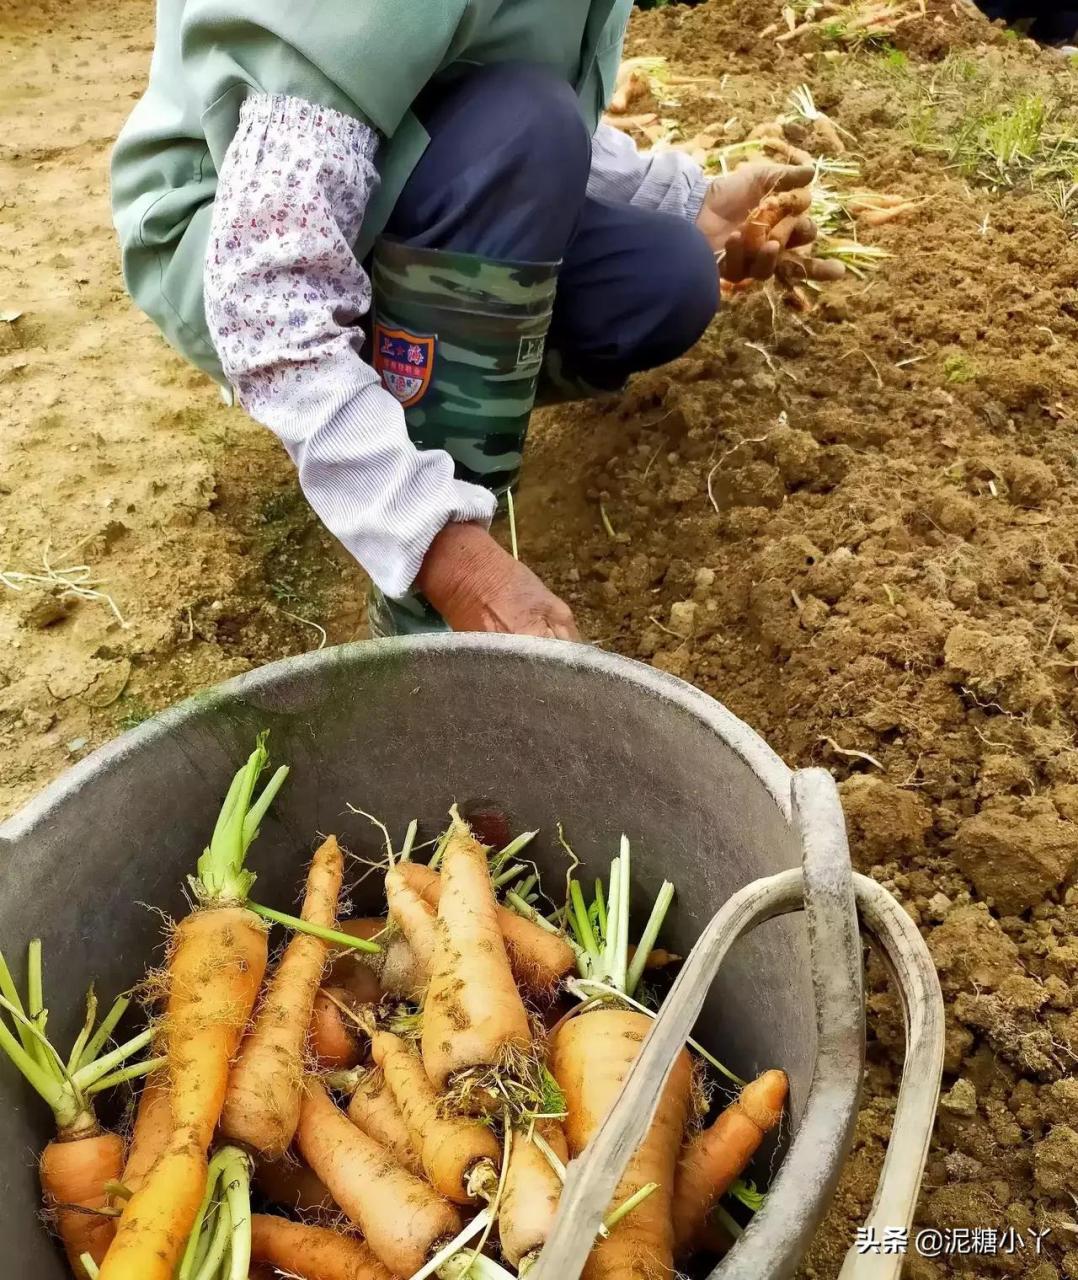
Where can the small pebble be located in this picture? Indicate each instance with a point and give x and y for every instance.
(960, 1099)
(938, 907)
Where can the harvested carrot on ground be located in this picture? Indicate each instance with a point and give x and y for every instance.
(261, 1107)
(153, 1128)
(216, 963)
(532, 1192)
(373, 1108)
(460, 1156)
(403, 1218)
(719, 1154)
(473, 1019)
(292, 1185)
(334, 1040)
(312, 1253)
(539, 958)
(83, 1158)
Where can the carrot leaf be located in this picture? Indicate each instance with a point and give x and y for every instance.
(222, 877)
(746, 1192)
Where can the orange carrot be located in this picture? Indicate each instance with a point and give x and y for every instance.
(415, 919)
(398, 970)
(312, 1253)
(261, 1107)
(766, 217)
(473, 1016)
(293, 1186)
(153, 1128)
(719, 1154)
(592, 1056)
(374, 1109)
(215, 968)
(356, 970)
(539, 959)
(158, 1218)
(532, 1191)
(73, 1173)
(334, 1041)
(404, 1219)
(460, 1156)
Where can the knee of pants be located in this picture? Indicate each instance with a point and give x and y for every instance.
(684, 295)
(530, 120)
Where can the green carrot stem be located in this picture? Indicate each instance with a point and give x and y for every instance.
(727, 1221)
(83, 1038)
(133, 1072)
(90, 1074)
(551, 1156)
(621, 955)
(89, 1266)
(512, 849)
(610, 948)
(439, 849)
(526, 886)
(577, 987)
(627, 1206)
(10, 993)
(579, 918)
(35, 999)
(237, 1185)
(104, 1032)
(53, 1093)
(297, 925)
(221, 874)
(191, 1254)
(435, 1265)
(649, 937)
(409, 841)
(510, 873)
(210, 1266)
(600, 907)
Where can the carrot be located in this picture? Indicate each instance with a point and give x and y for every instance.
(374, 1109)
(163, 1211)
(312, 1253)
(473, 1017)
(592, 1055)
(460, 1156)
(354, 970)
(767, 215)
(404, 1219)
(532, 1191)
(76, 1166)
(539, 959)
(153, 1128)
(334, 1043)
(293, 1186)
(215, 968)
(415, 919)
(717, 1155)
(261, 1106)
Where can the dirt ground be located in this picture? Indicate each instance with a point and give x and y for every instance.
(856, 527)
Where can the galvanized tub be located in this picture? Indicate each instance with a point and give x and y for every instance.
(546, 732)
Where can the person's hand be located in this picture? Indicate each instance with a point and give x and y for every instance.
(477, 586)
(726, 208)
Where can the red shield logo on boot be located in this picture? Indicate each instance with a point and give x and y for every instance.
(404, 361)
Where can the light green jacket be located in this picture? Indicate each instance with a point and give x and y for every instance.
(366, 58)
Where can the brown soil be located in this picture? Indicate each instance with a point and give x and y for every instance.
(880, 580)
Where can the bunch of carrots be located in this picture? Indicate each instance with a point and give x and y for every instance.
(397, 1096)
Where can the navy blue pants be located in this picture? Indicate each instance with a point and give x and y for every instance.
(505, 177)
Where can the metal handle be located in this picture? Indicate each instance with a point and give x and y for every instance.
(775, 1240)
(906, 956)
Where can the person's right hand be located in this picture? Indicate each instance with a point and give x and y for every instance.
(476, 585)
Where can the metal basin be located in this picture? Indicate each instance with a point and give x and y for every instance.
(545, 731)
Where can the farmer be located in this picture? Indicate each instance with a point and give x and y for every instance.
(388, 228)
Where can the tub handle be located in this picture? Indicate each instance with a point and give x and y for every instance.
(771, 1253)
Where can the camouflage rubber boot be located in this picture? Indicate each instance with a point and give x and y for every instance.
(558, 386)
(459, 341)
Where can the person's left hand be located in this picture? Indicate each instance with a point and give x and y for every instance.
(729, 201)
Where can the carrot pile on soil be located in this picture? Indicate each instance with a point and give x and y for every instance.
(855, 526)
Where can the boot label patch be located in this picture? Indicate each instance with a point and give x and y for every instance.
(531, 351)
(405, 362)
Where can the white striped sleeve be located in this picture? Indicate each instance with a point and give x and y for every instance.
(667, 181)
(284, 297)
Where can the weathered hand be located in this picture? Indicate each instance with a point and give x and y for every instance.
(477, 586)
(727, 206)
